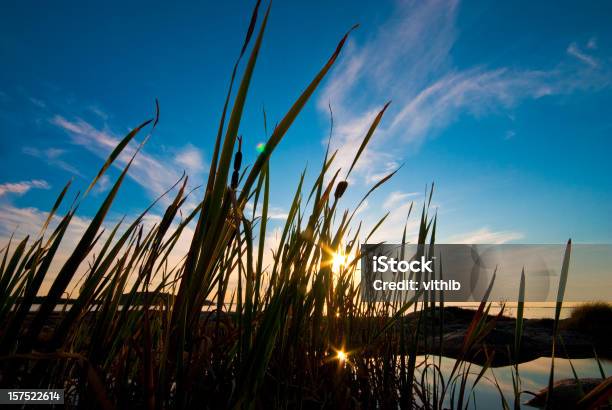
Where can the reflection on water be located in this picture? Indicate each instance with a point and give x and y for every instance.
(531, 310)
(534, 376)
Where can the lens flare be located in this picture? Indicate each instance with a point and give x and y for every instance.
(339, 260)
(261, 147)
(341, 356)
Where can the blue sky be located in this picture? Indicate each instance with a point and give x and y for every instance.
(506, 106)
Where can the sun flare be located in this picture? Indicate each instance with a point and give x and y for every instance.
(339, 260)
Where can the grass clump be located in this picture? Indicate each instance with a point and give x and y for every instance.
(592, 318)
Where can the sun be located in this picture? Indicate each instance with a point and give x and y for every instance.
(339, 260)
(341, 356)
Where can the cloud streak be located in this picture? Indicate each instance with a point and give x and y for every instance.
(574, 50)
(20, 188)
(155, 173)
(398, 198)
(486, 236)
(273, 212)
(409, 61)
(52, 157)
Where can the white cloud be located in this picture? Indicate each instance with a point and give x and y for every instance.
(273, 211)
(400, 57)
(409, 61)
(102, 185)
(383, 169)
(348, 134)
(362, 208)
(53, 153)
(485, 236)
(271, 244)
(28, 221)
(396, 198)
(393, 227)
(99, 112)
(592, 43)
(52, 157)
(277, 213)
(38, 103)
(477, 91)
(20, 188)
(153, 172)
(190, 158)
(575, 51)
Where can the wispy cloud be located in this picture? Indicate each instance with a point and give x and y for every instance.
(28, 221)
(394, 64)
(393, 227)
(273, 211)
(574, 50)
(20, 188)
(103, 185)
(154, 173)
(52, 156)
(398, 198)
(409, 61)
(190, 159)
(476, 91)
(362, 208)
(99, 112)
(485, 236)
(38, 102)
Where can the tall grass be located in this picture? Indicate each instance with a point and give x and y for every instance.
(145, 333)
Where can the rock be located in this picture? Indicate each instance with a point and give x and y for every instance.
(566, 393)
(536, 341)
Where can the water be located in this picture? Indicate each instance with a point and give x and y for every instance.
(534, 377)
